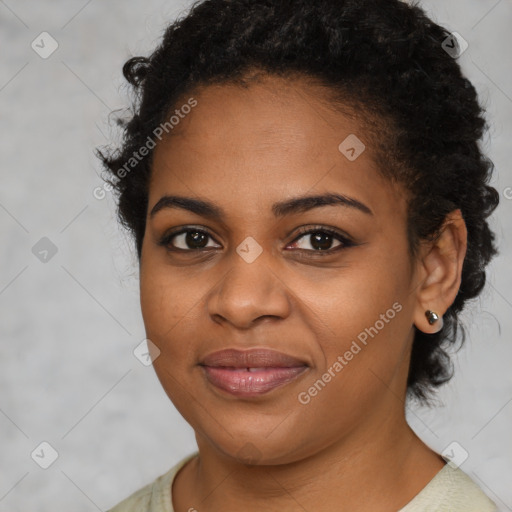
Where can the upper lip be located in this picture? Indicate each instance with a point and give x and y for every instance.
(252, 358)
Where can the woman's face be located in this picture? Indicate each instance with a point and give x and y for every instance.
(250, 279)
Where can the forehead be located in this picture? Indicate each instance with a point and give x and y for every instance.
(271, 113)
(275, 138)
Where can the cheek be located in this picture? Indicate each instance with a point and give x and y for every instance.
(355, 297)
(165, 299)
(172, 305)
(164, 306)
(155, 297)
(364, 311)
(167, 309)
(364, 353)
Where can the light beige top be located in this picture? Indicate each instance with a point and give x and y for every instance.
(451, 490)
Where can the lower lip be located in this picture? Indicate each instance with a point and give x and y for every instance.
(243, 383)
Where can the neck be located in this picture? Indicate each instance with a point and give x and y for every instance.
(377, 469)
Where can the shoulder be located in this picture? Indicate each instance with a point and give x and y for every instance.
(451, 490)
(154, 497)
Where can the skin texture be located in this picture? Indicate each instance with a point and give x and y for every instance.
(350, 447)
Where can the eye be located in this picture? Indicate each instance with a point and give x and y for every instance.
(321, 240)
(189, 239)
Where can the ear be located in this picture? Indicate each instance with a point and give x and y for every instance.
(440, 270)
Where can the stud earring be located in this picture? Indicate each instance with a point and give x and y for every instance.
(433, 317)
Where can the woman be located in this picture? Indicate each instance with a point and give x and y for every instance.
(308, 201)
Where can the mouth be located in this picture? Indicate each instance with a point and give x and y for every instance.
(251, 373)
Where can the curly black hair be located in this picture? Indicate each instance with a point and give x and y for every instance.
(384, 58)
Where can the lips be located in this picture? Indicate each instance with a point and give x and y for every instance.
(250, 373)
(253, 358)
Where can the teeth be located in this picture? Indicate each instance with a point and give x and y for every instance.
(254, 369)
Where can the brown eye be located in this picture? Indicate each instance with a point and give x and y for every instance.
(186, 240)
(320, 240)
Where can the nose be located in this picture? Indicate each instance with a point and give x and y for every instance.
(249, 293)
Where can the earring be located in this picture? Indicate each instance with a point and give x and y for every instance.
(433, 317)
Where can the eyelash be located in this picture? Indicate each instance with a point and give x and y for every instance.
(165, 241)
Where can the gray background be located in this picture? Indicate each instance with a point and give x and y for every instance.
(68, 375)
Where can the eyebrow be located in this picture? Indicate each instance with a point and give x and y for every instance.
(280, 209)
